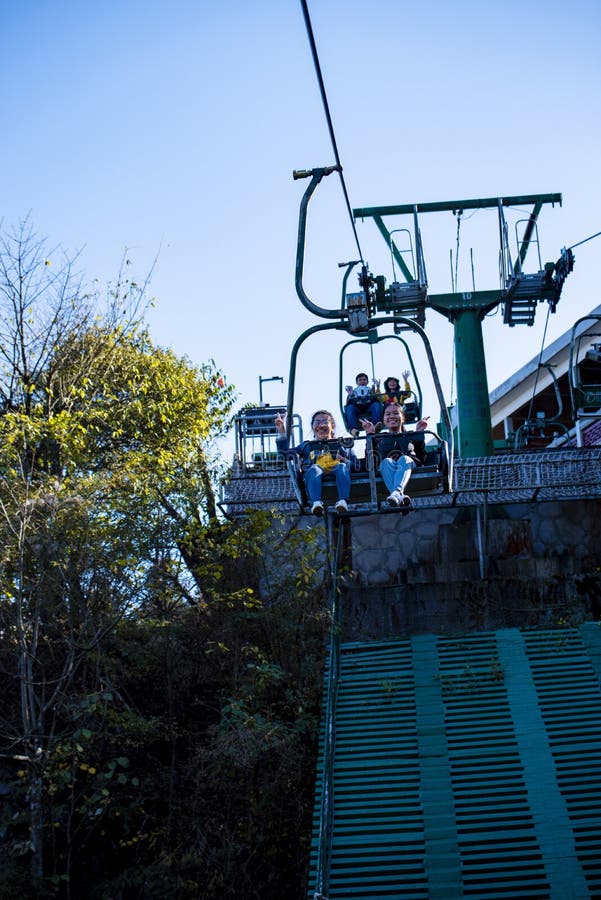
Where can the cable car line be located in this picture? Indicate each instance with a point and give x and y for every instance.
(326, 107)
(585, 240)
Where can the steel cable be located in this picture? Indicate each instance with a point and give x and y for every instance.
(326, 107)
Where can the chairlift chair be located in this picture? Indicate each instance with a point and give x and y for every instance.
(255, 434)
(368, 490)
(541, 431)
(413, 405)
(585, 368)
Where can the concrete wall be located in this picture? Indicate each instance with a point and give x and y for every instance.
(440, 571)
(443, 545)
(539, 563)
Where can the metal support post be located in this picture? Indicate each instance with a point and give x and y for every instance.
(475, 429)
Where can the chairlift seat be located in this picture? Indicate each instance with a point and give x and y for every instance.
(259, 420)
(590, 367)
(412, 412)
(269, 456)
(366, 482)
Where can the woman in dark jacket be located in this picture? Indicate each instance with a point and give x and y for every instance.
(399, 451)
(318, 461)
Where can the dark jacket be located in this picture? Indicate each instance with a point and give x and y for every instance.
(309, 451)
(396, 444)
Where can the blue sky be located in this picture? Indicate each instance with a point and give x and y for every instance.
(174, 128)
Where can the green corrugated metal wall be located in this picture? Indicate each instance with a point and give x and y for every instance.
(467, 767)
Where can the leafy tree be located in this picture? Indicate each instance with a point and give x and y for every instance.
(94, 419)
(159, 692)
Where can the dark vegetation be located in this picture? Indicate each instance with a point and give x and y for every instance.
(159, 684)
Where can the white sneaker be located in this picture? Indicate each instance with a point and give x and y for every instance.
(317, 508)
(394, 499)
(341, 506)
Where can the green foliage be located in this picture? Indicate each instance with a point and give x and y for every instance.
(160, 684)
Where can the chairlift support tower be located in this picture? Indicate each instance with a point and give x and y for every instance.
(518, 292)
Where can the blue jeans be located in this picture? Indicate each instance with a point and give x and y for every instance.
(314, 479)
(397, 472)
(353, 413)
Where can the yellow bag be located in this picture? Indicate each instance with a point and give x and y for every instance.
(325, 461)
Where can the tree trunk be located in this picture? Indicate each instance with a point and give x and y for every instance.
(36, 817)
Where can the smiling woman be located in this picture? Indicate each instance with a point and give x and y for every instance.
(319, 458)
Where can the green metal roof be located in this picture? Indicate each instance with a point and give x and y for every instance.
(467, 767)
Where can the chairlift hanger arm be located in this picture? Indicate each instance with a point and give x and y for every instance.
(413, 326)
(316, 176)
(557, 417)
(338, 326)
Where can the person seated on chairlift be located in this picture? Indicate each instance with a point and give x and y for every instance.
(319, 461)
(392, 390)
(397, 456)
(362, 402)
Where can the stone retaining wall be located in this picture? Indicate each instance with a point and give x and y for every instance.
(439, 570)
(541, 539)
(539, 564)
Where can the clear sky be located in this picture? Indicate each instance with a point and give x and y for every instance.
(174, 128)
